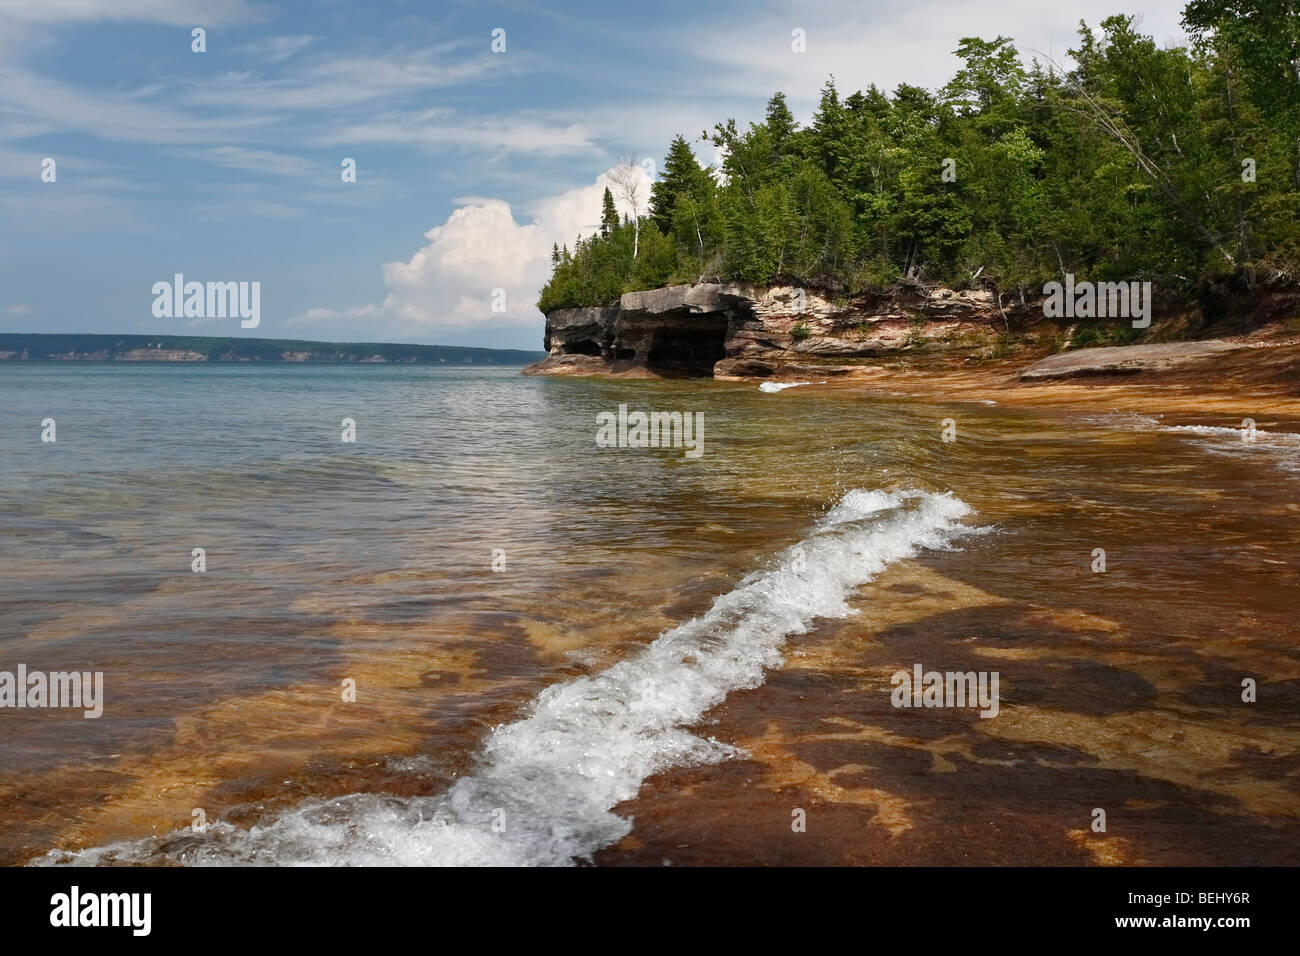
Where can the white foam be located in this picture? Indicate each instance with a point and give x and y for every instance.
(1283, 447)
(781, 386)
(1219, 431)
(1135, 419)
(554, 777)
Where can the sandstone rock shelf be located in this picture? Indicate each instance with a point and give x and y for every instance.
(735, 330)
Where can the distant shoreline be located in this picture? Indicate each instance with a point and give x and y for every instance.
(181, 349)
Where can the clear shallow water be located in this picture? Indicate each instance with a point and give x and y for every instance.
(501, 716)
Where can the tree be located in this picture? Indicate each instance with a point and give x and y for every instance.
(779, 122)
(608, 214)
(987, 89)
(1265, 36)
(831, 131)
(682, 177)
(626, 177)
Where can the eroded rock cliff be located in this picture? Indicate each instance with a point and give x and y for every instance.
(732, 330)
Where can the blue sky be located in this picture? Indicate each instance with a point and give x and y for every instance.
(225, 165)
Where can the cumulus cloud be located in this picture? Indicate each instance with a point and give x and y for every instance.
(448, 285)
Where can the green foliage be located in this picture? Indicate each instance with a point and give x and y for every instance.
(1089, 335)
(683, 179)
(1129, 166)
(608, 213)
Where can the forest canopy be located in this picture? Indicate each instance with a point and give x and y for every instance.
(1177, 165)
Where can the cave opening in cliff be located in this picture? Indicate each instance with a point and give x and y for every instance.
(584, 347)
(689, 349)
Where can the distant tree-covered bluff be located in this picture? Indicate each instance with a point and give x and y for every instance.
(1180, 166)
(193, 348)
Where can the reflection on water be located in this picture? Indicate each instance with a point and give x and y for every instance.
(374, 561)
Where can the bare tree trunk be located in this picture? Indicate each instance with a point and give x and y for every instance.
(1108, 125)
(627, 177)
(1243, 228)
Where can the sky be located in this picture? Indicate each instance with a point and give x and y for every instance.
(227, 164)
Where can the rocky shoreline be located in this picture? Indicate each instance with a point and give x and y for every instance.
(735, 331)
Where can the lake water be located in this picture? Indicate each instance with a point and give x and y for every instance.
(562, 651)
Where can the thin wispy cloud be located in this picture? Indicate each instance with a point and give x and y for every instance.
(181, 12)
(277, 49)
(334, 84)
(65, 108)
(257, 161)
(442, 130)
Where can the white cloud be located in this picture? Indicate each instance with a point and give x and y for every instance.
(447, 285)
(259, 161)
(362, 312)
(183, 12)
(112, 117)
(440, 129)
(888, 43)
(277, 49)
(20, 309)
(333, 83)
(228, 120)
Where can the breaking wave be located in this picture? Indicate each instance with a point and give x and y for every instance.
(544, 787)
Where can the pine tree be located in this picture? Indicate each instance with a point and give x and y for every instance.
(780, 122)
(682, 177)
(608, 214)
(830, 131)
(1264, 35)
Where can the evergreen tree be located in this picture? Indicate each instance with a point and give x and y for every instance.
(780, 125)
(1265, 36)
(608, 214)
(831, 131)
(682, 177)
